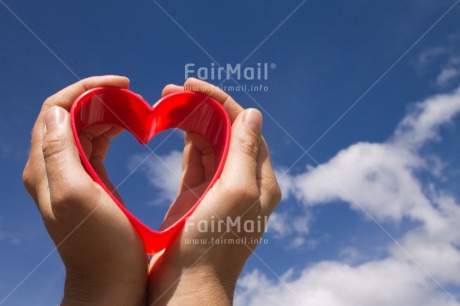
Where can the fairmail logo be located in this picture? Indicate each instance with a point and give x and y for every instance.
(238, 72)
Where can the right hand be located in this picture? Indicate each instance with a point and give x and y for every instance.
(206, 273)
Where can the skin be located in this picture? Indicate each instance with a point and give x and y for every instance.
(104, 257)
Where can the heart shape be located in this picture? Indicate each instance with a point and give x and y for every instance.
(186, 110)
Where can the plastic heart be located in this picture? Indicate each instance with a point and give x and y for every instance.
(186, 110)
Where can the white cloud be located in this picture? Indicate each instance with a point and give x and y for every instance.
(450, 72)
(445, 57)
(11, 238)
(380, 283)
(446, 75)
(423, 121)
(282, 225)
(8, 236)
(382, 182)
(285, 182)
(371, 176)
(381, 178)
(162, 171)
(429, 55)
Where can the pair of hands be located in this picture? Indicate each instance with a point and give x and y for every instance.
(104, 257)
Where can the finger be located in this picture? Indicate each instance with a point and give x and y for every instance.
(67, 96)
(101, 143)
(233, 109)
(206, 152)
(95, 141)
(242, 162)
(98, 166)
(171, 88)
(63, 98)
(65, 174)
(198, 161)
(192, 166)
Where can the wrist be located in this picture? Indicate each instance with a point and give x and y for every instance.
(83, 290)
(192, 286)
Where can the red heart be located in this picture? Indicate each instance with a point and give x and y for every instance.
(188, 111)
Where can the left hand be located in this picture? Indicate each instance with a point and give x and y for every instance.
(104, 257)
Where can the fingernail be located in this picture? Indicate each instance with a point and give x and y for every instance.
(253, 120)
(54, 117)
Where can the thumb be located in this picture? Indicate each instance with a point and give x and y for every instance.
(241, 164)
(62, 161)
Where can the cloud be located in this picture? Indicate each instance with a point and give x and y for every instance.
(450, 72)
(6, 236)
(446, 76)
(381, 178)
(446, 57)
(378, 283)
(285, 182)
(381, 181)
(427, 57)
(424, 120)
(9, 237)
(162, 171)
(282, 225)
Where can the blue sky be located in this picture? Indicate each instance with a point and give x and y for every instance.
(370, 213)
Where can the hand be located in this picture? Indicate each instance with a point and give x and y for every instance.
(205, 273)
(104, 257)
